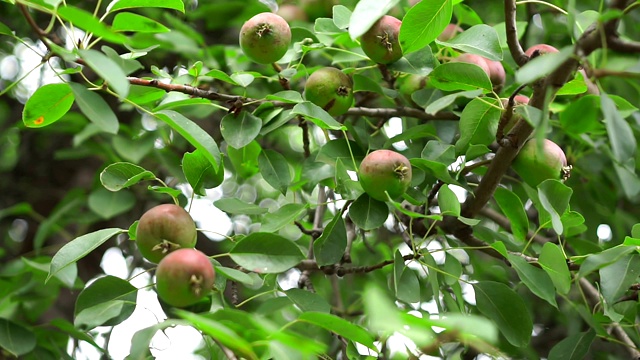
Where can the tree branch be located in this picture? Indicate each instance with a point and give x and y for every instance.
(401, 111)
(512, 33)
(245, 101)
(592, 294)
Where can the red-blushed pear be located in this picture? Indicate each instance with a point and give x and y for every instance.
(497, 74)
(265, 38)
(541, 48)
(474, 59)
(536, 164)
(291, 13)
(184, 277)
(380, 42)
(331, 89)
(385, 171)
(449, 32)
(163, 229)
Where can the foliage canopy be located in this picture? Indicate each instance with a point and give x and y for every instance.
(111, 108)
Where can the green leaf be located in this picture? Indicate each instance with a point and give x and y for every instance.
(239, 130)
(513, 209)
(384, 317)
(542, 66)
(341, 16)
(507, 309)
(423, 23)
(535, 279)
(220, 75)
(47, 105)
(106, 289)
(95, 108)
(245, 160)
(237, 206)
(448, 201)
(100, 314)
(339, 326)
(574, 347)
(368, 213)
(142, 338)
(453, 76)
(329, 247)
(447, 100)
(317, 115)
(365, 14)
(554, 197)
(126, 62)
(79, 247)
(221, 333)
(275, 170)
(166, 4)
(408, 287)
(480, 40)
(200, 173)
(266, 253)
(68, 328)
(478, 124)
(91, 24)
(282, 217)
(5, 30)
(243, 80)
(108, 69)
(67, 276)
(235, 275)
(127, 21)
(435, 168)
(621, 137)
(339, 149)
(599, 260)
(121, 175)
(15, 338)
(552, 261)
(288, 96)
(108, 204)
(616, 278)
(194, 134)
(582, 115)
(308, 301)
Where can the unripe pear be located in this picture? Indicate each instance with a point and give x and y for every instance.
(331, 89)
(411, 83)
(265, 38)
(385, 171)
(535, 164)
(380, 42)
(163, 229)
